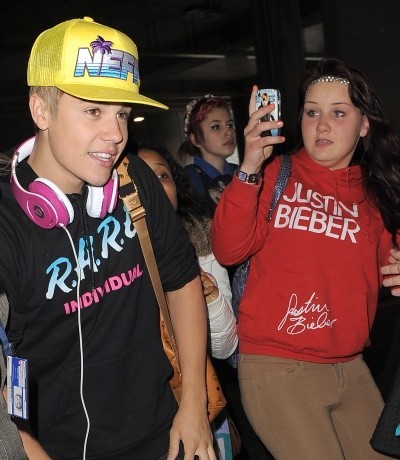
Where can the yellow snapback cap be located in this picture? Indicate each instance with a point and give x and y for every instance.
(89, 61)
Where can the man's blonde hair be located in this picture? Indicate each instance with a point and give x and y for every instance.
(51, 96)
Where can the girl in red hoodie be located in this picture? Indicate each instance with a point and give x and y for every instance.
(316, 267)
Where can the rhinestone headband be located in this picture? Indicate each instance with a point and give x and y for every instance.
(189, 109)
(327, 79)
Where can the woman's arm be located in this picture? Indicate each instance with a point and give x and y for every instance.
(234, 224)
(222, 321)
(223, 335)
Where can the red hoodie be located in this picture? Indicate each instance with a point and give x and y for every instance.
(314, 275)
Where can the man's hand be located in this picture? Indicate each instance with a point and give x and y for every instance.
(189, 319)
(191, 426)
(31, 445)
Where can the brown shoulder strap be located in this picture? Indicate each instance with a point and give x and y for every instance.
(137, 213)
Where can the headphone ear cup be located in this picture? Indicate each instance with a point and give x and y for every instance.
(111, 191)
(47, 205)
(43, 202)
(102, 200)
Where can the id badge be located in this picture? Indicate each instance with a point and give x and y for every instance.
(17, 386)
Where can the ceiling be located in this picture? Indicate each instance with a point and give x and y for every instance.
(181, 43)
(186, 47)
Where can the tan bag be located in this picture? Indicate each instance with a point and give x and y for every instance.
(216, 399)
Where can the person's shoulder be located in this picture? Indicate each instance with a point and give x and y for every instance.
(7, 197)
(3, 308)
(194, 172)
(190, 167)
(134, 160)
(231, 167)
(146, 182)
(139, 170)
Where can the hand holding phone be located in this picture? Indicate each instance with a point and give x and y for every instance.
(265, 97)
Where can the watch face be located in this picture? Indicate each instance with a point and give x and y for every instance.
(249, 178)
(242, 176)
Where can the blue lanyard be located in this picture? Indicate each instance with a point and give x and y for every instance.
(4, 340)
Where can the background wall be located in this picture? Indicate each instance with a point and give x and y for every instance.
(366, 34)
(185, 52)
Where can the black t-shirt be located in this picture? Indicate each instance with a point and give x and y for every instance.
(125, 377)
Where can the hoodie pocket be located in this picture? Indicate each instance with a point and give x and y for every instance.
(307, 316)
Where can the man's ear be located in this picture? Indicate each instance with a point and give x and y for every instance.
(39, 111)
(364, 126)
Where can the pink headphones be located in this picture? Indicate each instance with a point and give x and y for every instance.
(45, 203)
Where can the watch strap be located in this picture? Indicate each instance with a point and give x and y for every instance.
(249, 178)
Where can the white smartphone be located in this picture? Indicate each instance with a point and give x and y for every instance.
(269, 96)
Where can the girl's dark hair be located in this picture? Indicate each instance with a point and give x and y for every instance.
(196, 111)
(191, 205)
(378, 153)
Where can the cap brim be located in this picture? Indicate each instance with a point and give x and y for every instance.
(100, 94)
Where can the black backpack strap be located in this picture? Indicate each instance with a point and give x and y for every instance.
(283, 176)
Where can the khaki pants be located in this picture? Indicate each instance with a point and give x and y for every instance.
(308, 411)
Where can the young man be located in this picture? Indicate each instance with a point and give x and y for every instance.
(82, 308)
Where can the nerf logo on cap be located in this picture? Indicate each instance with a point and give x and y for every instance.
(106, 62)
